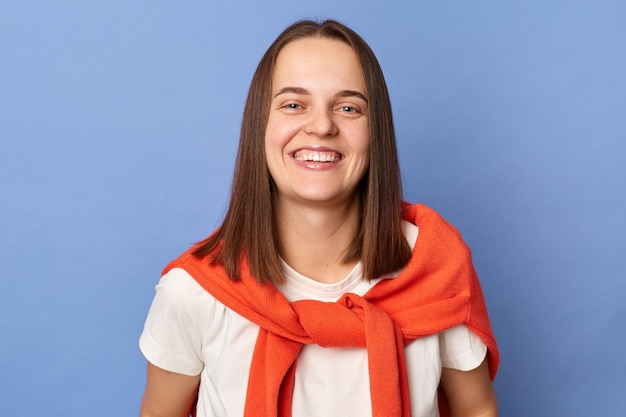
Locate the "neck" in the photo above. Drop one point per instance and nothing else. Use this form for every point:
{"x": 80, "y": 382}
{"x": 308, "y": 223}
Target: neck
{"x": 314, "y": 241}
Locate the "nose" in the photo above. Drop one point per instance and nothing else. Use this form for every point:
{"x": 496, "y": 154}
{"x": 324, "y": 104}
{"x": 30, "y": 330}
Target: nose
{"x": 321, "y": 123}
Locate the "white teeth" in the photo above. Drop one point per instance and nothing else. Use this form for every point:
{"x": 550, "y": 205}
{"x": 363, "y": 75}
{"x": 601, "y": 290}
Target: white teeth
{"x": 317, "y": 156}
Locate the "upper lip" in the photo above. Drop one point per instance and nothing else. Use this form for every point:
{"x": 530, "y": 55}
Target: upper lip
{"x": 314, "y": 148}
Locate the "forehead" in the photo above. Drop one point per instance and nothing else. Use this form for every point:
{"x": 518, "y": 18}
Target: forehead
{"x": 318, "y": 61}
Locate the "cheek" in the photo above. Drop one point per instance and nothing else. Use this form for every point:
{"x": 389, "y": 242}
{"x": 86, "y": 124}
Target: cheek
{"x": 271, "y": 137}
{"x": 274, "y": 148}
{"x": 364, "y": 150}
{"x": 362, "y": 143}
{"x": 276, "y": 135}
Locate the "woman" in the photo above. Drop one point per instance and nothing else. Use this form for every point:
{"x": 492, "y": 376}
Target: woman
{"x": 322, "y": 293}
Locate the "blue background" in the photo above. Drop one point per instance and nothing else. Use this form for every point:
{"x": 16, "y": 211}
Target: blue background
{"x": 118, "y": 130}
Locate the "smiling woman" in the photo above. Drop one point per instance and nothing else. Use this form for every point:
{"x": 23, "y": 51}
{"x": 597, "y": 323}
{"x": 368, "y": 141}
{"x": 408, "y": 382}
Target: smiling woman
{"x": 322, "y": 293}
{"x": 317, "y": 141}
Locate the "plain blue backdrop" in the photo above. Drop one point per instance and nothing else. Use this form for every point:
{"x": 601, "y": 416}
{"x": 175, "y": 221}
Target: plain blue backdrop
{"x": 118, "y": 130}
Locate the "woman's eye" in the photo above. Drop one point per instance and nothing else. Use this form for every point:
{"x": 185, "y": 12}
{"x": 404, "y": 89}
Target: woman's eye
{"x": 292, "y": 106}
{"x": 348, "y": 109}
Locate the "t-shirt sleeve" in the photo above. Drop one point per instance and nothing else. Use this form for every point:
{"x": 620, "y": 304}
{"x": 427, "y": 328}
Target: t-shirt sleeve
{"x": 461, "y": 349}
{"x": 172, "y": 334}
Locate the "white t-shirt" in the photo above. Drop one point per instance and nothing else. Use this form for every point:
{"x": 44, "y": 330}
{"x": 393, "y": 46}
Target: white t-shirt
{"x": 189, "y": 332}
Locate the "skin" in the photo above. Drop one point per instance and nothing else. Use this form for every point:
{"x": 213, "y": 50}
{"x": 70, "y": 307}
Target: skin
{"x": 168, "y": 394}
{"x": 318, "y": 104}
{"x": 470, "y": 393}
{"x": 318, "y": 107}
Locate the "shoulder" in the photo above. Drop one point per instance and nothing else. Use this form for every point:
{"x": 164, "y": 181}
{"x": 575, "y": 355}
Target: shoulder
{"x": 437, "y": 236}
{"x": 178, "y": 293}
{"x": 461, "y": 349}
{"x": 177, "y": 323}
{"x": 422, "y": 215}
{"x": 179, "y": 286}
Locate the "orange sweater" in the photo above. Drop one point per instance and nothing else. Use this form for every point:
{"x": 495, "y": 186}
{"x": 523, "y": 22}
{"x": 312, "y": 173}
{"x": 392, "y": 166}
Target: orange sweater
{"x": 437, "y": 290}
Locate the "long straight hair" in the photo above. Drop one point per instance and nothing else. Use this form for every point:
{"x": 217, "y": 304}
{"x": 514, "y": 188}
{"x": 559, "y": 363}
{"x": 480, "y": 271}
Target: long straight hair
{"x": 248, "y": 232}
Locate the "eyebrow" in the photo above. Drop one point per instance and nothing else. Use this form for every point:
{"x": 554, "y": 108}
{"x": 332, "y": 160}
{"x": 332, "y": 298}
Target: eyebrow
{"x": 304, "y": 91}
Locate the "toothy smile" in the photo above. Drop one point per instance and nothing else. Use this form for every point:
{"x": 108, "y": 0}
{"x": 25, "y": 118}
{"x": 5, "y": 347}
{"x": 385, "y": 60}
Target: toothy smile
{"x": 316, "y": 156}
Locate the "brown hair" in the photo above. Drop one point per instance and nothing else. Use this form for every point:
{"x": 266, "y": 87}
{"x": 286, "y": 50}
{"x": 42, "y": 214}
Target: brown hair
{"x": 248, "y": 230}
